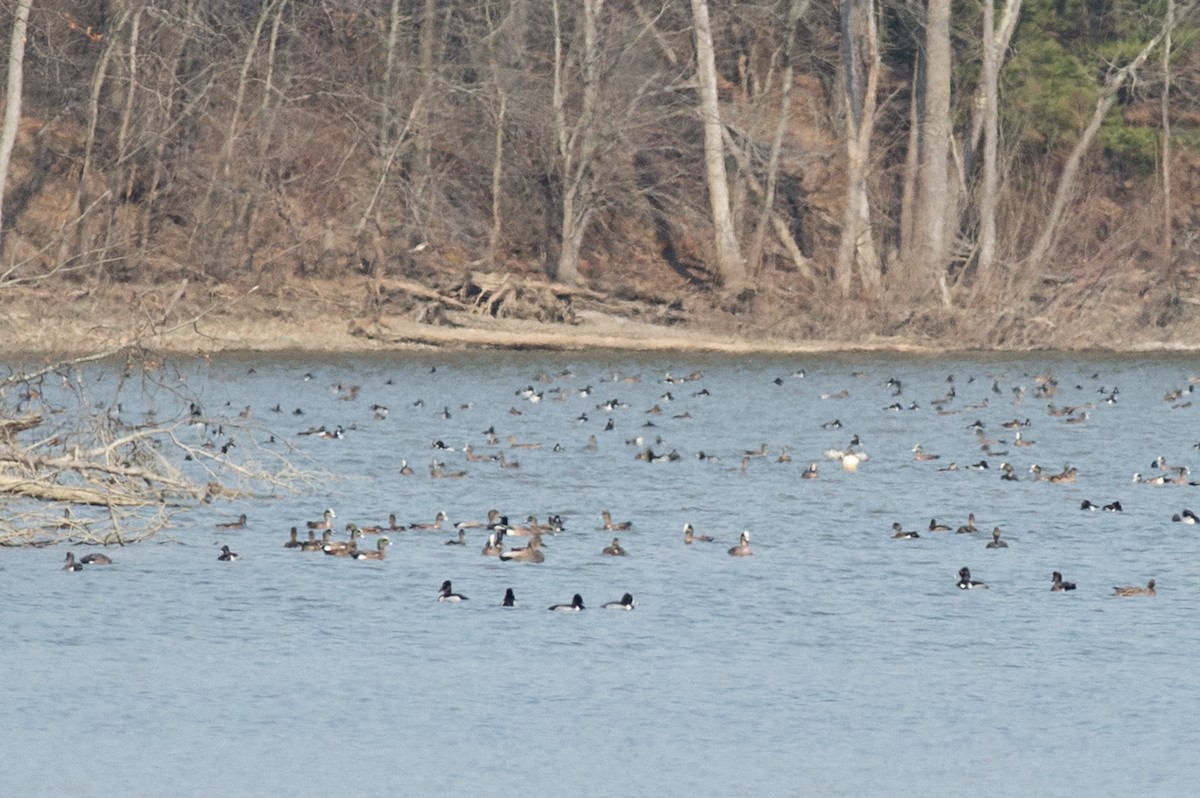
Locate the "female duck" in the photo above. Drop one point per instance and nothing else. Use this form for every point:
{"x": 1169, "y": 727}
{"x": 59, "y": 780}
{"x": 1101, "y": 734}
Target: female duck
{"x": 615, "y": 549}
{"x": 1148, "y": 590}
{"x": 996, "y": 543}
{"x": 446, "y": 594}
{"x": 742, "y": 549}
{"x": 626, "y": 603}
{"x": 966, "y": 583}
{"x": 575, "y": 606}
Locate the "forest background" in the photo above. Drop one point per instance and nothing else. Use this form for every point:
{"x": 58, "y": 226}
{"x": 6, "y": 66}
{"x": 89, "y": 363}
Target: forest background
{"x": 1013, "y": 174}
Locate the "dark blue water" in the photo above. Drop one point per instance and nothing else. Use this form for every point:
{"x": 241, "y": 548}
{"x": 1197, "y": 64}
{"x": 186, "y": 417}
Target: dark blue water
{"x": 834, "y": 661}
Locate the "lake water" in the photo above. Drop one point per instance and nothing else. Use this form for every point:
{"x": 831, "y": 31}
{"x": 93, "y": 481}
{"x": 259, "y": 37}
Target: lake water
{"x": 834, "y": 661}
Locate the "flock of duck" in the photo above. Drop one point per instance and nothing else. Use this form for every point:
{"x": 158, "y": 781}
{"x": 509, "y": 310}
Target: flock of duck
{"x": 500, "y": 531}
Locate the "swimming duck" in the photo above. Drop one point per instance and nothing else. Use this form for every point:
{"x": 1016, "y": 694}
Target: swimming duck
{"x": 226, "y": 555}
{"x": 575, "y": 606}
{"x": 492, "y": 548}
{"x": 934, "y": 526}
{"x": 742, "y": 549}
{"x": 493, "y": 516}
{"x": 1068, "y": 474}
{"x": 1114, "y": 507}
{"x": 531, "y": 552}
{"x": 379, "y": 553}
{"x": 461, "y": 540}
{"x": 71, "y": 564}
{"x": 689, "y": 535}
{"x": 920, "y": 455}
{"x": 325, "y": 523}
{"x": 1148, "y": 590}
{"x": 316, "y": 545}
{"x": 435, "y": 525}
{"x": 96, "y": 559}
{"x": 996, "y": 543}
{"x": 1186, "y": 517}
{"x": 293, "y": 541}
{"x": 405, "y": 469}
{"x": 965, "y": 582}
{"x": 626, "y": 603}
{"x": 343, "y": 548}
{"x": 1022, "y": 442}
{"x": 1058, "y": 585}
{"x": 810, "y": 472}
{"x": 510, "y": 598}
{"x": 240, "y": 523}
{"x": 446, "y": 594}
{"x": 899, "y": 533}
{"x": 615, "y": 549}
{"x": 969, "y": 527}
{"x": 612, "y": 526}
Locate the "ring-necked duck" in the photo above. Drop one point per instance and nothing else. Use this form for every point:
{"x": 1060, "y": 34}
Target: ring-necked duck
{"x": 996, "y": 543}
{"x": 965, "y": 582}
{"x": 1186, "y": 517}
{"x": 934, "y": 526}
{"x": 71, "y": 564}
{"x": 510, "y": 598}
{"x": 615, "y": 549}
{"x": 901, "y": 533}
{"x": 1148, "y": 590}
{"x": 1057, "y": 585}
{"x": 575, "y": 606}
{"x": 446, "y": 594}
{"x": 626, "y": 603}
{"x": 742, "y": 549}
{"x": 378, "y": 554}
{"x": 226, "y": 555}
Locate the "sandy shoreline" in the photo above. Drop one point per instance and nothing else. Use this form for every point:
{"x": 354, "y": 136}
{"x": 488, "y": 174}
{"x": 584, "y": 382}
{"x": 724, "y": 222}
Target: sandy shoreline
{"x": 34, "y": 325}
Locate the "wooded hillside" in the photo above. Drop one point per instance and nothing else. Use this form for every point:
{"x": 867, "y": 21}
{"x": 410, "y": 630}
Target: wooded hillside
{"x": 1008, "y": 173}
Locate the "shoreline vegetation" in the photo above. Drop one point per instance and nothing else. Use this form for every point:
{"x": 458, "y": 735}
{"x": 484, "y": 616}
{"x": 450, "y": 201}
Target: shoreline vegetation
{"x": 331, "y": 319}
{"x": 750, "y": 177}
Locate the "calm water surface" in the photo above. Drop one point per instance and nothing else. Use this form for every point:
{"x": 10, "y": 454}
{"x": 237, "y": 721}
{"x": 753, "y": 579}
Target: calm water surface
{"x": 834, "y": 661}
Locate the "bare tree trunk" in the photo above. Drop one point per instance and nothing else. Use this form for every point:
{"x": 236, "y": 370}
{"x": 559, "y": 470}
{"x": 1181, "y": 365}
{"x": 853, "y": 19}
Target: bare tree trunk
{"x": 933, "y": 245}
{"x": 796, "y": 9}
{"x": 1001, "y": 38}
{"x": 860, "y": 50}
{"x": 389, "y": 72}
{"x": 1168, "y": 227}
{"x": 903, "y": 269}
{"x": 14, "y": 89}
{"x": 987, "y": 196}
{"x": 1104, "y": 103}
{"x": 81, "y": 205}
{"x": 729, "y": 256}
{"x": 576, "y": 142}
